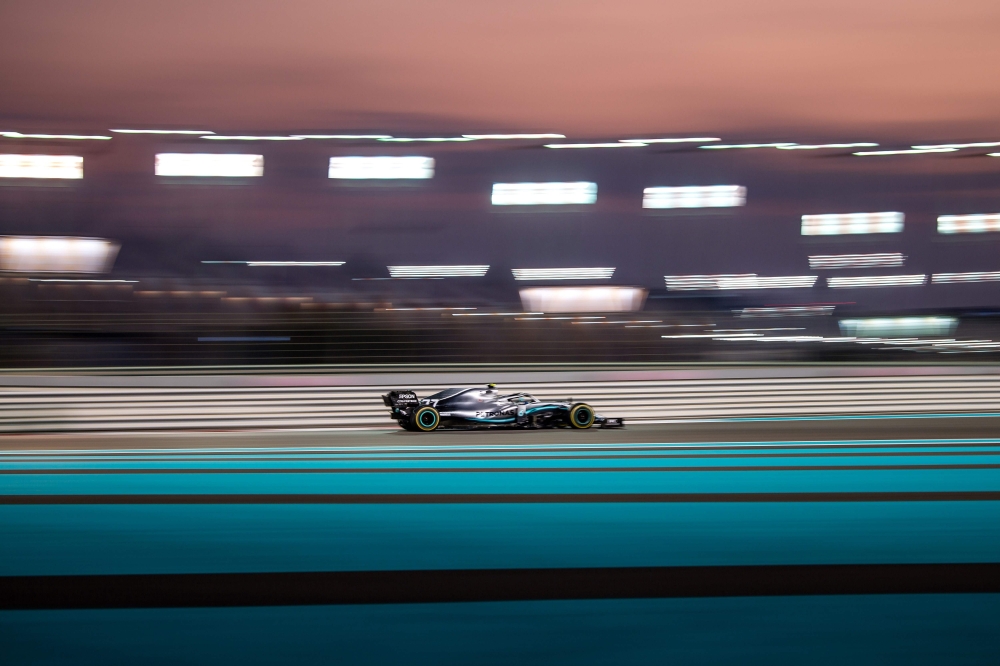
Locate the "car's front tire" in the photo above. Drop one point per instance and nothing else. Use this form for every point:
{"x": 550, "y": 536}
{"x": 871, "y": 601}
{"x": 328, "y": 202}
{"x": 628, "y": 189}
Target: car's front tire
{"x": 426, "y": 419}
{"x": 582, "y": 416}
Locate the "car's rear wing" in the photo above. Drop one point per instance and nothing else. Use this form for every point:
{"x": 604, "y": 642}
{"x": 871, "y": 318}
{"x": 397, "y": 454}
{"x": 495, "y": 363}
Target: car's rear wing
{"x": 400, "y": 398}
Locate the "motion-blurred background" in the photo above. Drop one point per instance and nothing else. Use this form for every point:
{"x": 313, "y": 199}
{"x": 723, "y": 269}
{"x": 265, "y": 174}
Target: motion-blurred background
{"x": 237, "y": 183}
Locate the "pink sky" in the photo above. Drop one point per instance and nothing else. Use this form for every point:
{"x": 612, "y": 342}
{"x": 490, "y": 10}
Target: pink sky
{"x": 590, "y": 67}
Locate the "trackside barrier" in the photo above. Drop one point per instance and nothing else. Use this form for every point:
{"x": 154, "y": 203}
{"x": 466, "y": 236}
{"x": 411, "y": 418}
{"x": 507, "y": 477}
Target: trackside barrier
{"x": 73, "y": 403}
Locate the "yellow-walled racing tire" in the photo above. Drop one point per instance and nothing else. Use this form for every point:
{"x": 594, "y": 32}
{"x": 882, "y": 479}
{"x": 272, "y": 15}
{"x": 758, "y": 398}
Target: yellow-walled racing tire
{"x": 582, "y": 415}
{"x": 426, "y": 419}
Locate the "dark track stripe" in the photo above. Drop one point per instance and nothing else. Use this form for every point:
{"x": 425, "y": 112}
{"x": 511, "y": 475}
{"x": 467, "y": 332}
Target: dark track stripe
{"x": 505, "y": 498}
{"x": 506, "y": 470}
{"x": 394, "y": 587}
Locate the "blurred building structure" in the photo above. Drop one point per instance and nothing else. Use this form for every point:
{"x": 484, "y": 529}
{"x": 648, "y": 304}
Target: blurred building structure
{"x": 184, "y": 250}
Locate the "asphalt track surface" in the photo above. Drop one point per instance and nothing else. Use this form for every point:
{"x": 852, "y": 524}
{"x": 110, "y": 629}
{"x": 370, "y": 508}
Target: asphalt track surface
{"x": 871, "y": 540}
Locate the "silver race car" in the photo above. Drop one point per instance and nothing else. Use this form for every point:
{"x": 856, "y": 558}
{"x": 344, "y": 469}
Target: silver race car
{"x": 465, "y": 408}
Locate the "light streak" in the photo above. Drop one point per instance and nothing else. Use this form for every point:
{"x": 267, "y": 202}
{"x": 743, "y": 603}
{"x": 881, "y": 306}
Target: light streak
{"x": 693, "y": 139}
{"x": 68, "y": 137}
{"x": 157, "y": 131}
{"x": 381, "y": 167}
{"x": 710, "y": 196}
{"x": 68, "y": 167}
{"x": 785, "y": 311}
{"x": 562, "y": 273}
{"x": 583, "y": 299}
{"x": 56, "y": 254}
{"x": 864, "y": 153}
{"x": 84, "y": 280}
{"x": 833, "y": 261}
{"x": 714, "y": 336}
{"x": 619, "y": 321}
{"x": 898, "y": 326}
{"x": 212, "y": 165}
{"x": 749, "y": 330}
{"x": 279, "y": 263}
{"x": 736, "y": 282}
{"x": 505, "y": 137}
{"x": 746, "y": 145}
{"x": 957, "y": 146}
{"x": 791, "y": 338}
{"x": 252, "y": 138}
{"x": 431, "y": 139}
{"x": 953, "y": 278}
{"x": 823, "y": 146}
{"x": 968, "y": 224}
{"x": 852, "y": 223}
{"x": 630, "y": 144}
{"x": 876, "y": 281}
{"x": 543, "y": 194}
{"x": 437, "y": 271}
{"x": 558, "y": 318}
{"x": 494, "y": 314}
{"x": 347, "y": 137}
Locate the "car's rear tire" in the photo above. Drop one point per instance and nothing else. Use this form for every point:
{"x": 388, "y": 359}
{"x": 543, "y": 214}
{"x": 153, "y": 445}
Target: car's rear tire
{"x": 426, "y": 419}
{"x": 582, "y": 416}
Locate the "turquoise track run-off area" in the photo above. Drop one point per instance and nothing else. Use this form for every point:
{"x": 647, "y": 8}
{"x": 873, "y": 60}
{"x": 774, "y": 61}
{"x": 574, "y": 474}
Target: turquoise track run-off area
{"x": 370, "y": 505}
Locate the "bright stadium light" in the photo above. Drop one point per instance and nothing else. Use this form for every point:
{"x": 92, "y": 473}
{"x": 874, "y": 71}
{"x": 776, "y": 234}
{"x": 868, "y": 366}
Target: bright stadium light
{"x": 583, "y": 299}
{"x": 157, "y": 131}
{"x": 833, "y": 261}
{"x": 711, "y": 196}
{"x": 897, "y": 326}
{"x": 968, "y": 224}
{"x": 953, "y": 278}
{"x": 381, "y": 167}
{"x": 736, "y": 282}
{"x": 538, "y": 274}
{"x": 876, "y": 281}
{"x": 620, "y": 144}
{"x": 437, "y": 271}
{"x": 504, "y": 137}
{"x": 210, "y": 165}
{"x": 56, "y": 254}
{"x": 823, "y": 146}
{"x": 66, "y": 137}
{"x": 852, "y": 223}
{"x": 691, "y": 139}
{"x": 543, "y": 194}
{"x": 68, "y": 167}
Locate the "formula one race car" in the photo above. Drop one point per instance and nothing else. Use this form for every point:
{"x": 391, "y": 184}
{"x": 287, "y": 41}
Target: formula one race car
{"x": 486, "y": 408}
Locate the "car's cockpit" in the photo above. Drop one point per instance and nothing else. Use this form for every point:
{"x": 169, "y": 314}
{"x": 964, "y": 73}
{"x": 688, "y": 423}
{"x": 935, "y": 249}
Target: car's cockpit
{"x": 520, "y": 398}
